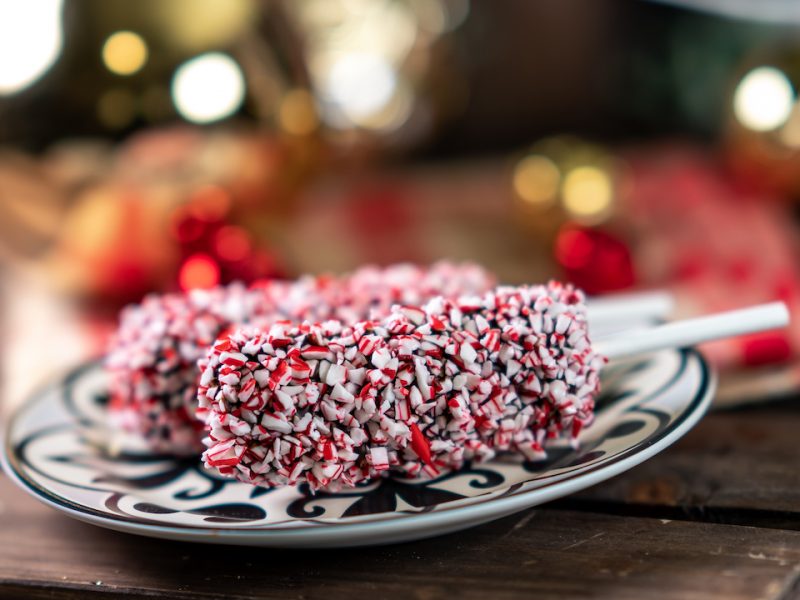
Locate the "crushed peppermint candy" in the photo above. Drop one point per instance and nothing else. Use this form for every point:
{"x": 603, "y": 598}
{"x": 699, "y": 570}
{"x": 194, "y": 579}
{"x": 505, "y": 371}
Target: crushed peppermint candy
{"x": 415, "y": 393}
{"x": 152, "y": 359}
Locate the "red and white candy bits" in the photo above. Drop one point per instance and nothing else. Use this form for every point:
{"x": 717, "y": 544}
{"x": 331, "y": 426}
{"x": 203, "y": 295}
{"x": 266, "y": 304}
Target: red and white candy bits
{"x": 153, "y": 357}
{"x": 421, "y": 391}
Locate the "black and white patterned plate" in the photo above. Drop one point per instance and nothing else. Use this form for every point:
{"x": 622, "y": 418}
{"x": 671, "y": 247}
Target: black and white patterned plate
{"x": 59, "y": 448}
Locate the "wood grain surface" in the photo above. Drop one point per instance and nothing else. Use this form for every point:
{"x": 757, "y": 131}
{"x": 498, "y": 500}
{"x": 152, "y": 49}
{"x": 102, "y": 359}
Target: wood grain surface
{"x": 715, "y": 516}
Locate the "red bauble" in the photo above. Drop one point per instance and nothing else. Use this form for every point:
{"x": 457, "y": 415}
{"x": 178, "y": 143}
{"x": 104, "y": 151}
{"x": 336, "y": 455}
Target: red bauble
{"x": 594, "y": 260}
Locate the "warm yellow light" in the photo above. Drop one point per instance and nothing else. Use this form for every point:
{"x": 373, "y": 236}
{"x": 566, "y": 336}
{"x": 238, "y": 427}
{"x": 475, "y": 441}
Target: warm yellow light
{"x": 763, "y": 99}
{"x": 208, "y": 88}
{"x": 536, "y": 179}
{"x": 31, "y": 39}
{"x": 124, "y": 52}
{"x": 297, "y": 114}
{"x": 195, "y": 25}
{"x": 587, "y": 192}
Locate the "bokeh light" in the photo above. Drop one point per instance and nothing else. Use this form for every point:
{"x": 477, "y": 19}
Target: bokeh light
{"x": 208, "y": 88}
{"x": 537, "y": 179}
{"x": 125, "y": 53}
{"x": 587, "y": 192}
{"x": 232, "y": 243}
{"x": 199, "y": 271}
{"x": 116, "y": 108}
{"x": 763, "y": 99}
{"x": 393, "y": 114}
{"x": 196, "y": 25}
{"x": 369, "y": 61}
{"x": 297, "y": 113}
{"x": 31, "y": 39}
{"x": 359, "y": 85}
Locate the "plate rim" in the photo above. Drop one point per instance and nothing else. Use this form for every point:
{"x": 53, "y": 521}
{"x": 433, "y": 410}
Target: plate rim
{"x": 496, "y": 507}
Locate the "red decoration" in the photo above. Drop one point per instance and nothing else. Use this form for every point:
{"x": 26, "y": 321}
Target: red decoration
{"x": 232, "y": 243}
{"x": 594, "y": 260}
{"x": 198, "y": 271}
{"x": 213, "y": 250}
{"x": 766, "y": 348}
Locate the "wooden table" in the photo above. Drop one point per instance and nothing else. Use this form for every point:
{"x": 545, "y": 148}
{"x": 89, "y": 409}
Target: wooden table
{"x": 715, "y": 516}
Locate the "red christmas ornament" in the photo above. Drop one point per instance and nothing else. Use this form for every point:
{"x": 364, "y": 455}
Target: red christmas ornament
{"x": 594, "y": 260}
{"x": 212, "y": 249}
{"x": 766, "y": 348}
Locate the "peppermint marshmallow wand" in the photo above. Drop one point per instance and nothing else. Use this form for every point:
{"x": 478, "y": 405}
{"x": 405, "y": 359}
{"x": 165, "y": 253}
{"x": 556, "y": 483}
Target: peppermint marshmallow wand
{"x": 422, "y": 391}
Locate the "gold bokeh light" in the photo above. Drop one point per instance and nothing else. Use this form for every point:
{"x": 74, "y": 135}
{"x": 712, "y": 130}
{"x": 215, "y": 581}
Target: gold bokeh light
{"x": 125, "y": 53}
{"x": 587, "y": 192}
{"x": 536, "y": 179}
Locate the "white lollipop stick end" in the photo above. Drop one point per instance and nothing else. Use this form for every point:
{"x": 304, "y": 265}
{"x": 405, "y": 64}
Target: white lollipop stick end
{"x": 681, "y": 334}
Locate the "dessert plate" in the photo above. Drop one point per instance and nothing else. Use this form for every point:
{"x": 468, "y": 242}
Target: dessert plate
{"x": 60, "y": 449}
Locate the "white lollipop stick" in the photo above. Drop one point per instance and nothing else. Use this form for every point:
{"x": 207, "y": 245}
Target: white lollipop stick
{"x": 695, "y": 331}
{"x": 629, "y": 308}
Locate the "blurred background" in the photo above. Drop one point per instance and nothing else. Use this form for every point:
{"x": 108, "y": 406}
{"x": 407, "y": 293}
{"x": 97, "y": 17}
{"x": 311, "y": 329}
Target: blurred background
{"x": 161, "y": 146}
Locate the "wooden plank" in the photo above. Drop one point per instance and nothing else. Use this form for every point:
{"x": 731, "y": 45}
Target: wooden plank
{"x": 735, "y": 466}
{"x": 546, "y": 553}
